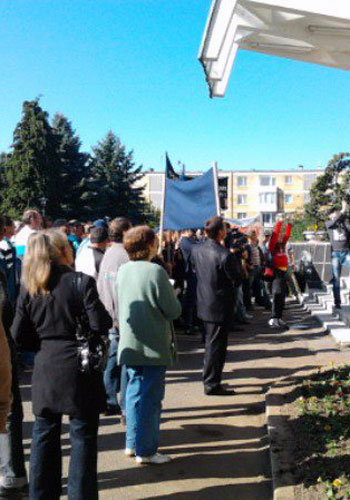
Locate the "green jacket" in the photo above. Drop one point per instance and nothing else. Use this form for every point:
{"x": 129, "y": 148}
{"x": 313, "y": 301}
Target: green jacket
{"x": 147, "y": 305}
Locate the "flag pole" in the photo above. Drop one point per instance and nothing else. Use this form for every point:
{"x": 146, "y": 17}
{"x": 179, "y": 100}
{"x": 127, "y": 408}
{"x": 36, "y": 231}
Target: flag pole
{"x": 161, "y": 227}
{"x": 216, "y": 187}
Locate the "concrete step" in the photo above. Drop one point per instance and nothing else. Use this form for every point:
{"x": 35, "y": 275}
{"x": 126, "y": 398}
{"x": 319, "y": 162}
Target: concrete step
{"x": 341, "y": 335}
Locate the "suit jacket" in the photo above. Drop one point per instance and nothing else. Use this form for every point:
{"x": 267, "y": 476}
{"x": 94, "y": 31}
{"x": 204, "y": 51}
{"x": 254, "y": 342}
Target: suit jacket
{"x": 217, "y": 270}
{"x": 47, "y": 325}
{"x": 186, "y": 246}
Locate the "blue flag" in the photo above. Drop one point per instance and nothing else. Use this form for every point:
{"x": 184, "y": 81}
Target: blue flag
{"x": 188, "y": 204}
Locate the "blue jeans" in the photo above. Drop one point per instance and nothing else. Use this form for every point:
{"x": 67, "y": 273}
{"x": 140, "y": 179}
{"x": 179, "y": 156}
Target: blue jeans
{"x": 144, "y": 395}
{"x": 123, "y": 387}
{"x": 239, "y": 308}
{"x": 111, "y": 376}
{"x": 12, "y": 468}
{"x": 46, "y": 459}
{"x": 338, "y": 260}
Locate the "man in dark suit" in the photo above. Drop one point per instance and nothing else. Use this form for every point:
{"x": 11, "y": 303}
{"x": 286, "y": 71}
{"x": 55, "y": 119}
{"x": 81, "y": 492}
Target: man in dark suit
{"x": 217, "y": 271}
{"x": 187, "y": 243}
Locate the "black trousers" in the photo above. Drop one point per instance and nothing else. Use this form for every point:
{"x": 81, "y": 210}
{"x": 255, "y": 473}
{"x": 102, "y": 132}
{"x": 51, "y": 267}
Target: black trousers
{"x": 216, "y": 336}
{"x": 279, "y": 291}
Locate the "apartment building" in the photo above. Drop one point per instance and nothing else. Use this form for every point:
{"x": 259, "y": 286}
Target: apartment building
{"x": 245, "y": 194}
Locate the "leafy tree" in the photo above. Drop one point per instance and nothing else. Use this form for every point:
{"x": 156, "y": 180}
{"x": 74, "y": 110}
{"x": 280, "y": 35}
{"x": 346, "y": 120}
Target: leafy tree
{"x": 330, "y": 189}
{"x": 151, "y": 214}
{"x": 74, "y": 170}
{"x": 114, "y": 189}
{"x": 301, "y": 222}
{"x": 31, "y": 170}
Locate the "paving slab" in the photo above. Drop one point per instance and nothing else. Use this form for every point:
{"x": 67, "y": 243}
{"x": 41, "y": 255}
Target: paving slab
{"x": 219, "y": 444}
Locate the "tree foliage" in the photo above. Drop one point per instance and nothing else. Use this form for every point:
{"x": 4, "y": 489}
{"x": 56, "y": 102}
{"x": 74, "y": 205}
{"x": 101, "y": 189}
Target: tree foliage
{"x": 330, "y": 189}
{"x": 114, "y": 182}
{"x": 46, "y": 161}
{"x": 31, "y": 170}
{"x": 74, "y": 169}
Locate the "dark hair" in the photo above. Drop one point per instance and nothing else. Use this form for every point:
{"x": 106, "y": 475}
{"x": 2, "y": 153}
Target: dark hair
{"x": 117, "y": 228}
{"x": 59, "y": 223}
{"x": 213, "y": 226}
{"x": 137, "y": 242}
{"x": 98, "y": 235}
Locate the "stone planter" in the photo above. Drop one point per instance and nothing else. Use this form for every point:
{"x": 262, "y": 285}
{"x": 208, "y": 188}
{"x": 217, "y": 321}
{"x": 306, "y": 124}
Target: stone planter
{"x": 315, "y": 235}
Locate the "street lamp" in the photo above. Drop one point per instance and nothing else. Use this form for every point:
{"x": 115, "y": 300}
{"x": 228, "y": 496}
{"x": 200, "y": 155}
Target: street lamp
{"x": 43, "y": 202}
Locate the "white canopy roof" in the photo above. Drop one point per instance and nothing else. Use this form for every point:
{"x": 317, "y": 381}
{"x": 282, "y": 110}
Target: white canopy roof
{"x": 315, "y": 31}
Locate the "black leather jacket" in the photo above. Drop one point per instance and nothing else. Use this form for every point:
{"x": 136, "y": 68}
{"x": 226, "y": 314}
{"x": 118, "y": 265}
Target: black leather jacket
{"x": 217, "y": 270}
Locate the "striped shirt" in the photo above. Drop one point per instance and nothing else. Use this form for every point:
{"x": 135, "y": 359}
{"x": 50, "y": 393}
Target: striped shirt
{"x": 255, "y": 255}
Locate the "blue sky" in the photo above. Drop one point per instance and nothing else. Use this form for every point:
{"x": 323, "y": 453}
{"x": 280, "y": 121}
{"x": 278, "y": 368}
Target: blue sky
{"x": 131, "y": 66}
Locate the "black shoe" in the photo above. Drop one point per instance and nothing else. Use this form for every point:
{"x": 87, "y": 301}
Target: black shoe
{"x": 112, "y": 410}
{"x": 219, "y": 391}
{"x": 14, "y": 493}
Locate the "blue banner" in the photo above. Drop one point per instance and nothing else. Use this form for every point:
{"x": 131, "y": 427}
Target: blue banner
{"x": 188, "y": 204}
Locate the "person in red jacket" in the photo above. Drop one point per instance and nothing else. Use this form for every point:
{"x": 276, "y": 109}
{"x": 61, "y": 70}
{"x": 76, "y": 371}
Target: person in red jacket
{"x": 277, "y": 248}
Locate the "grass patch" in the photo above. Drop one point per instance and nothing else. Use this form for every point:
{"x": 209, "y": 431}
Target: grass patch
{"x": 320, "y": 420}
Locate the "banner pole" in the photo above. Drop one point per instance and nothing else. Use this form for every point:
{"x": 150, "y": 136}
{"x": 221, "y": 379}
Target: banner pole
{"x": 161, "y": 227}
{"x": 216, "y": 187}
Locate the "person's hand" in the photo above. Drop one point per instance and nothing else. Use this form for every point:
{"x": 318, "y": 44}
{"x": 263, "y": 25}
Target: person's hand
{"x": 344, "y": 206}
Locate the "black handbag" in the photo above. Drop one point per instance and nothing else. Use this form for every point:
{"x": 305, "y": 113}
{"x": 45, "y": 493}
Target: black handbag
{"x": 93, "y": 349}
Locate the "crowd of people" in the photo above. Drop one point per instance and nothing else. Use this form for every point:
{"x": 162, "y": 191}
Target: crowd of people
{"x": 133, "y": 294}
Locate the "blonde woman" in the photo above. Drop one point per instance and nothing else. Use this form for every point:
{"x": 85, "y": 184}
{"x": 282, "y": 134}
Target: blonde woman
{"x": 45, "y": 321}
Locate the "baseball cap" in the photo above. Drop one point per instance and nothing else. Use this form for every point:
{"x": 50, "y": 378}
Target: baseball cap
{"x": 100, "y": 223}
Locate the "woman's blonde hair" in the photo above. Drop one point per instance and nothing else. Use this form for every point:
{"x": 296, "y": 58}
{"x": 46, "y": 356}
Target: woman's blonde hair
{"x": 44, "y": 249}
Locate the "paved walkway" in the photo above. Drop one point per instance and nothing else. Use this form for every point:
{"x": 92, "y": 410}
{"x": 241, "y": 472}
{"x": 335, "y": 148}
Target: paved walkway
{"x": 219, "y": 444}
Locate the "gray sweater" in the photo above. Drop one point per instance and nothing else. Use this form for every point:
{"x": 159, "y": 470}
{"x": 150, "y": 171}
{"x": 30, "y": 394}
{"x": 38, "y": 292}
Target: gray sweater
{"x": 112, "y": 260}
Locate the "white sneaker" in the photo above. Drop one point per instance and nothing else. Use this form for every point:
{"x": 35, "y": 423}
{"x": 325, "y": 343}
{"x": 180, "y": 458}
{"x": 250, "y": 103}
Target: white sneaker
{"x": 129, "y": 452}
{"x": 274, "y": 323}
{"x": 155, "y": 459}
{"x": 282, "y": 323}
{"x": 248, "y": 316}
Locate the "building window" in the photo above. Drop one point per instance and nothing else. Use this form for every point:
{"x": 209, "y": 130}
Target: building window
{"x": 288, "y": 199}
{"x": 267, "y": 198}
{"x": 241, "y": 215}
{"x": 241, "y": 181}
{"x": 242, "y": 199}
{"x": 288, "y": 179}
{"x": 267, "y": 180}
{"x": 268, "y": 218}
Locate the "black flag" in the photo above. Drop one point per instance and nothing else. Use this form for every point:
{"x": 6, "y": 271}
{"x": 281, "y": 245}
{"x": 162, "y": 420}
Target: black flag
{"x": 169, "y": 169}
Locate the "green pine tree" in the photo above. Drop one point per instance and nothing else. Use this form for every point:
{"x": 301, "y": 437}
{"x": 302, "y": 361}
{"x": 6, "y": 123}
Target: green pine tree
{"x": 3, "y": 159}
{"x": 32, "y": 169}
{"x": 74, "y": 169}
{"x": 114, "y": 177}
{"x": 330, "y": 189}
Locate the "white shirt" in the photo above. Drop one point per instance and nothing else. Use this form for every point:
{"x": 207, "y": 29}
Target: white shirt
{"x": 85, "y": 262}
{"x": 21, "y": 239}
